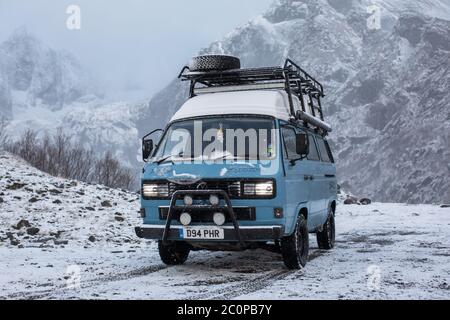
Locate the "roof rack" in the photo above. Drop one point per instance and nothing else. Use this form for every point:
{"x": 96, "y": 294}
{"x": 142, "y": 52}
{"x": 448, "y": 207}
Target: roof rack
{"x": 289, "y": 77}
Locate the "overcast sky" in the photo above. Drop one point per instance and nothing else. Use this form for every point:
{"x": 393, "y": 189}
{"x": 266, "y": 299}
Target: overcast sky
{"x": 130, "y": 43}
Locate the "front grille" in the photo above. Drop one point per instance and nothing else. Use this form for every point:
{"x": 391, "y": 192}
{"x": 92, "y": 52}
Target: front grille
{"x": 231, "y": 187}
{"x": 242, "y": 214}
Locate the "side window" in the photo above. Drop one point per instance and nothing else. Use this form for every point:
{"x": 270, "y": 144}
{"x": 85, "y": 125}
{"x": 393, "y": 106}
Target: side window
{"x": 289, "y": 142}
{"x": 330, "y": 154}
{"x": 323, "y": 150}
{"x": 313, "y": 154}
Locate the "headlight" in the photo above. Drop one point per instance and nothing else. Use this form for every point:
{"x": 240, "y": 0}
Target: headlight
{"x": 263, "y": 188}
{"x": 155, "y": 190}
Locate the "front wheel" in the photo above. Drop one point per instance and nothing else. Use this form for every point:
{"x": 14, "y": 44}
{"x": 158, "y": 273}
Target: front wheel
{"x": 295, "y": 248}
{"x": 173, "y": 253}
{"x": 325, "y": 238}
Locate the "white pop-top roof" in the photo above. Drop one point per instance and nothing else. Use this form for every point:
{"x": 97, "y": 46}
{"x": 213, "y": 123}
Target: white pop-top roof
{"x": 262, "y": 102}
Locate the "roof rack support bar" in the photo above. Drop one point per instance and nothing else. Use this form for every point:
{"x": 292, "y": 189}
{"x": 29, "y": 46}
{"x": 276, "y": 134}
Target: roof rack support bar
{"x": 288, "y": 90}
{"x": 311, "y": 104}
{"x": 302, "y": 102}
{"x": 320, "y": 107}
{"x": 244, "y": 87}
{"x": 192, "y": 89}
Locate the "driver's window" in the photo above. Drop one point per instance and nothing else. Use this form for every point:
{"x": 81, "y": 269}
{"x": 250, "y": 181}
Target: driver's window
{"x": 289, "y": 143}
{"x": 313, "y": 153}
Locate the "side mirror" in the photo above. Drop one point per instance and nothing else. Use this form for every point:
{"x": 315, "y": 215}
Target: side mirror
{"x": 301, "y": 144}
{"x": 147, "y": 148}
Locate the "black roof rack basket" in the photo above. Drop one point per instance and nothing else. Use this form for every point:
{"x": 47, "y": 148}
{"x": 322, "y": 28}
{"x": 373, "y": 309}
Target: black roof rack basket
{"x": 289, "y": 77}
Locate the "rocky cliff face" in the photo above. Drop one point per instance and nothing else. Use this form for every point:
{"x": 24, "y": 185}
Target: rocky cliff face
{"x": 387, "y": 88}
{"x": 45, "y": 89}
{"x": 38, "y": 74}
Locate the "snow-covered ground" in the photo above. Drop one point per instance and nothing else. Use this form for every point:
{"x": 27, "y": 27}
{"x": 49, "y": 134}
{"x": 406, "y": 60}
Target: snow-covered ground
{"x": 86, "y": 249}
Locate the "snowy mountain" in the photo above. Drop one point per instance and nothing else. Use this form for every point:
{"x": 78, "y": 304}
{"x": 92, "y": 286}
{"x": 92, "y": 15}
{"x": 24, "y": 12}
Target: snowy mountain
{"x": 45, "y": 89}
{"x": 387, "y": 88}
{"x": 34, "y": 74}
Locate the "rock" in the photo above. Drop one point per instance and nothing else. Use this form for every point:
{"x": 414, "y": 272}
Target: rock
{"x": 106, "y": 203}
{"x": 81, "y": 193}
{"x": 73, "y": 183}
{"x": 16, "y": 185}
{"x": 365, "y": 201}
{"x": 22, "y": 223}
{"x": 57, "y": 201}
{"x": 55, "y": 191}
{"x": 118, "y": 218}
{"x": 45, "y": 239}
{"x": 1, "y": 200}
{"x": 442, "y": 205}
{"x": 55, "y": 234}
{"x": 32, "y": 231}
{"x": 90, "y": 208}
{"x": 59, "y": 242}
{"x": 15, "y": 242}
{"x": 34, "y": 199}
{"x": 91, "y": 239}
{"x": 350, "y": 200}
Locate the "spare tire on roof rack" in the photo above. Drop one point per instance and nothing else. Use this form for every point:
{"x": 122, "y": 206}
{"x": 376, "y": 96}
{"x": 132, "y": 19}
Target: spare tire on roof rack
{"x": 214, "y": 62}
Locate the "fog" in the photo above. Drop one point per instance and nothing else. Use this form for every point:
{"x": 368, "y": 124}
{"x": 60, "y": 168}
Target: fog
{"x": 132, "y": 47}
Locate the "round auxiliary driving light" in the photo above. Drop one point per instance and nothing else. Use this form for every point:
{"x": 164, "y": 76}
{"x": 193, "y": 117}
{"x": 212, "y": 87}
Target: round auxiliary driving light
{"x": 214, "y": 200}
{"x": 219, "y": 218}
{"x": 185, "y": 218}
{"x": 188, "y": 200}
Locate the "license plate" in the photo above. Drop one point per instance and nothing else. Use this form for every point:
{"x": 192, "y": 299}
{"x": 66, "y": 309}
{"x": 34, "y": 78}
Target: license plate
{"x": 201, "y": 233}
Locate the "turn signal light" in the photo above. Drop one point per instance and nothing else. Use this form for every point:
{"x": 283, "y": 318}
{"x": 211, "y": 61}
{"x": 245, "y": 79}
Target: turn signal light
{"x": 278, "y": 213}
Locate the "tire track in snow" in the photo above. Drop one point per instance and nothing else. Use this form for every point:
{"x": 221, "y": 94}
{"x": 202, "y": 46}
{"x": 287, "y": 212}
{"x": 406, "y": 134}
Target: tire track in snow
{"x": 84, "y": 284}
{"x": 252, "y": 285}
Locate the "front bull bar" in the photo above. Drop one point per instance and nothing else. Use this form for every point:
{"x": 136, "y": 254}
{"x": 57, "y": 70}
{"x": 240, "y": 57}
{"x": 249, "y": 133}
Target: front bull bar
{"x": 179, "y": 193}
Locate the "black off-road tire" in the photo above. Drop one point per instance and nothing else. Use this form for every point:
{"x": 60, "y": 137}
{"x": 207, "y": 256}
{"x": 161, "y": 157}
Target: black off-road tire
{"x": 214, "y": 63}
{"x": 295, "y": 247}
{"x": 326, "y": 237}
{"x": 174, "y": 253}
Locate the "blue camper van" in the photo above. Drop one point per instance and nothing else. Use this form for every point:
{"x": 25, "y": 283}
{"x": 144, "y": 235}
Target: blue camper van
{"x": 243, "y": 164}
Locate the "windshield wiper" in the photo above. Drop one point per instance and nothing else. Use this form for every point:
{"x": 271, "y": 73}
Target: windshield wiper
{"x": 160, "y": 160}
{"x": 228, "y": 157}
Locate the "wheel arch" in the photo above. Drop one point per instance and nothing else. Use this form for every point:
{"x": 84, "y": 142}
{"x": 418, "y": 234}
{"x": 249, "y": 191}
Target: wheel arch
{"x": 303, "y": 211}
{"x": 302, "y": 208}
{"x": 333, "y": 206}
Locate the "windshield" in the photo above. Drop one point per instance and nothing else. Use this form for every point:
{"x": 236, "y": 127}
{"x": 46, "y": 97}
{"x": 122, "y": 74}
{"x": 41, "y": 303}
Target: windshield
{"x": 218, "y": 138}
